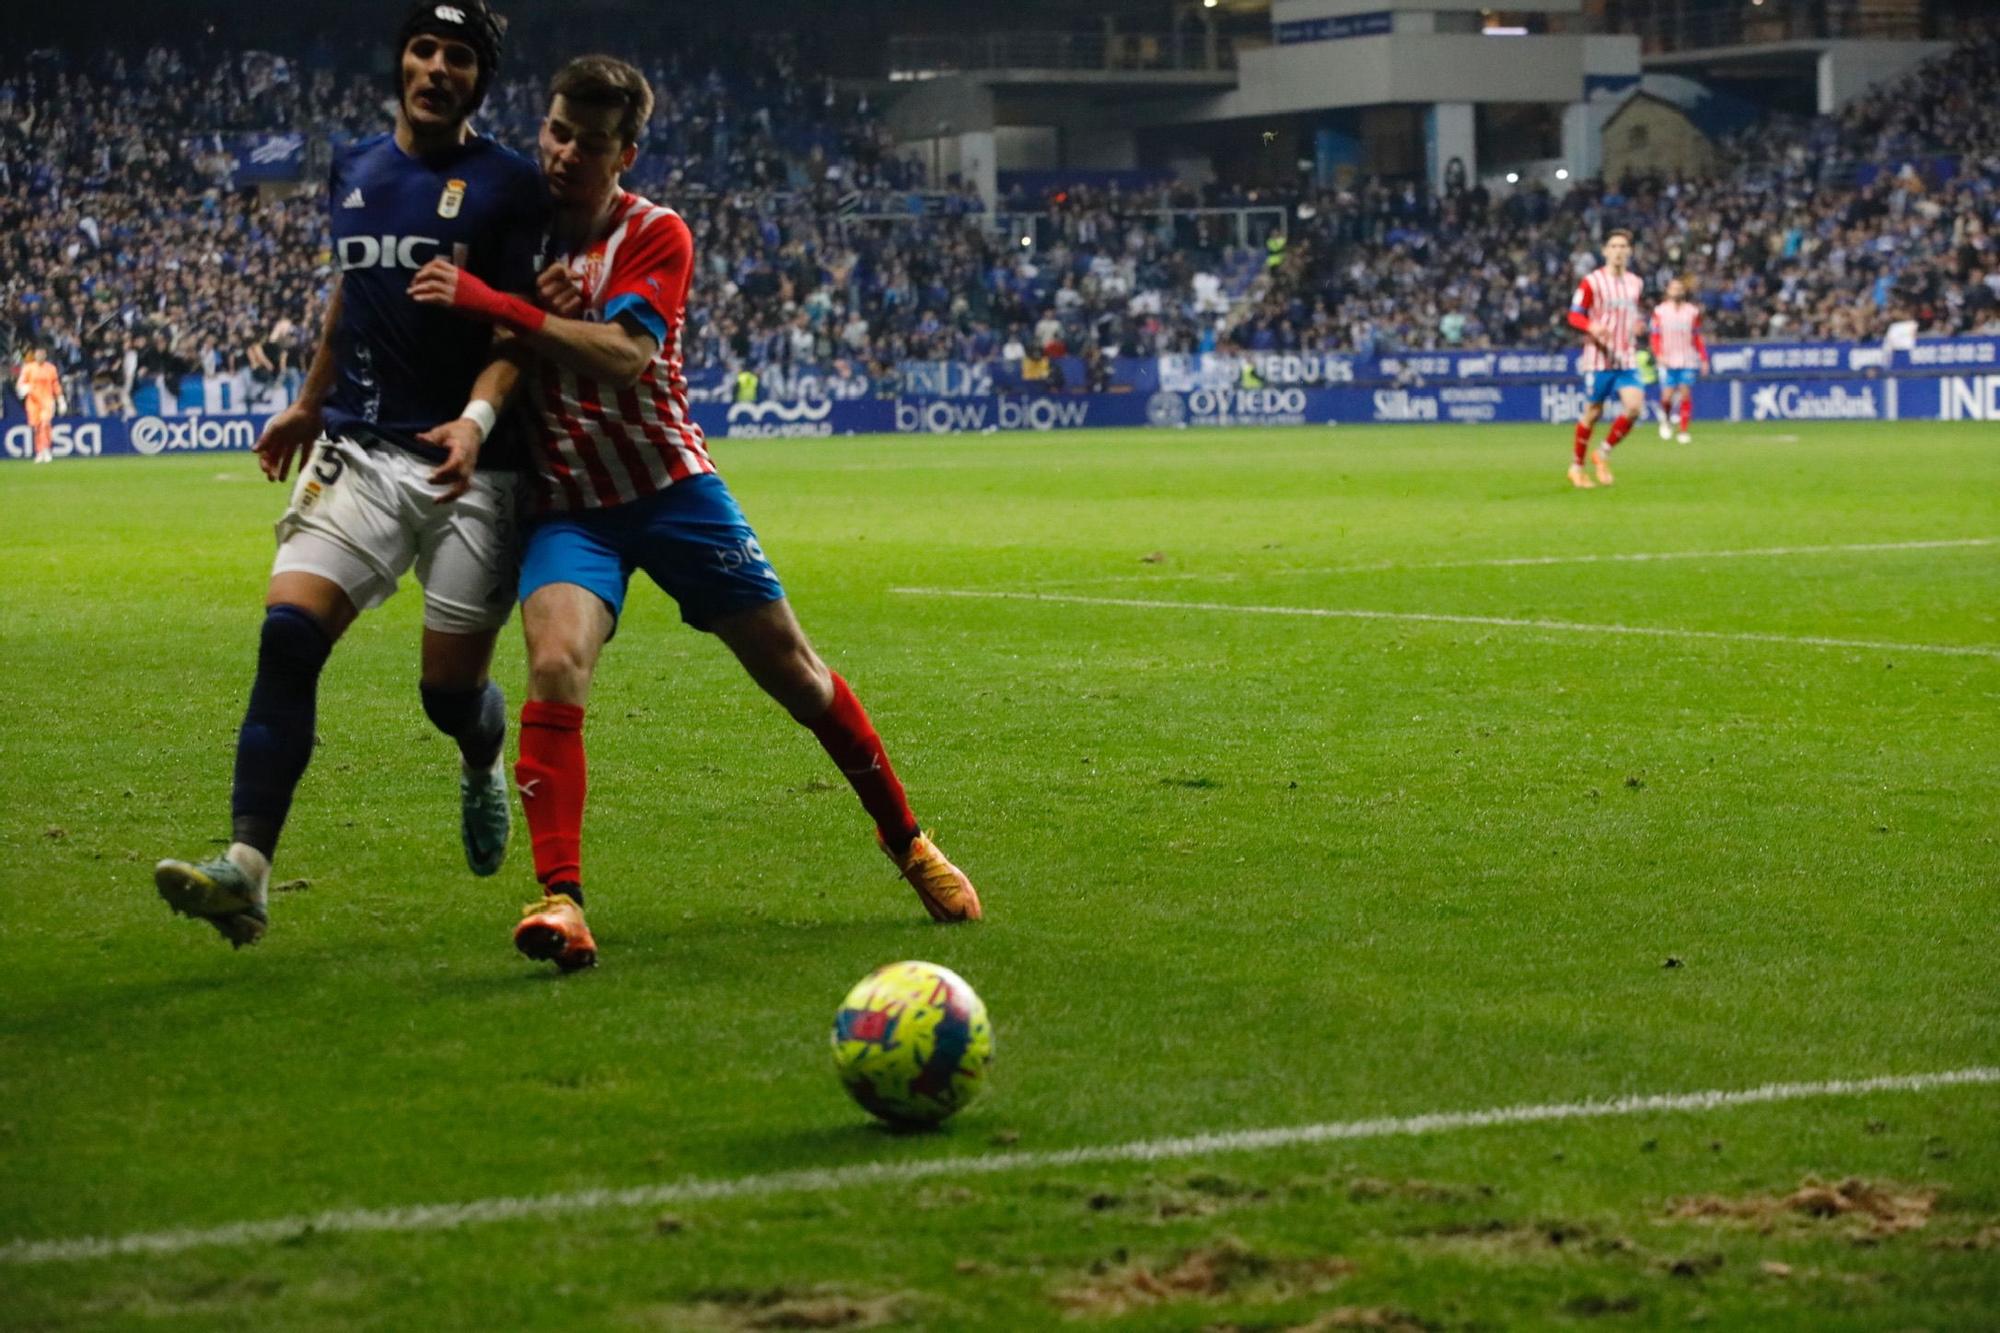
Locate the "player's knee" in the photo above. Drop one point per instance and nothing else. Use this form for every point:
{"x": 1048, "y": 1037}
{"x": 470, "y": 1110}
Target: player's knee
{"x": 558, "y": 671}
{"x": 294, "y": 639}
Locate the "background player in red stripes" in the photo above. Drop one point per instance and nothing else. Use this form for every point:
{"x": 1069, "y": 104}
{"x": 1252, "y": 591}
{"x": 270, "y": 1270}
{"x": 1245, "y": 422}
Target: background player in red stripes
{"x": 1606, "y": 311}
{"x": 626, "y": 483}
{"x": 1682, "y": 354}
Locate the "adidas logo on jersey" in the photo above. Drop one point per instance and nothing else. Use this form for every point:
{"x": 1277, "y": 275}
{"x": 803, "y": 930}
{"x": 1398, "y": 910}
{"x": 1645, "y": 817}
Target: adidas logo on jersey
{"x": 353, "y": 199}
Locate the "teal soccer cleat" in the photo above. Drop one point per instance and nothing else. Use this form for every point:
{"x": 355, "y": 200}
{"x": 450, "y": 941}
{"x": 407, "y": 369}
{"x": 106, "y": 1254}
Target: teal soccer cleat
{"x": 217, "y": 892}
{"x": 485, "y": 819}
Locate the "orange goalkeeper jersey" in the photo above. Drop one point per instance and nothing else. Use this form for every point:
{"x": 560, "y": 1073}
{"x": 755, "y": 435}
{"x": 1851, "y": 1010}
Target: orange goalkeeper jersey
{"x": 39, "y": 384}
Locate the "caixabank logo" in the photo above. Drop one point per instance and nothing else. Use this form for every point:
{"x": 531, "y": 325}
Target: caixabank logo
{"x": 781, "y": 421}
{"x": 1795, "y": 402}
{"x": 158, "y": 435}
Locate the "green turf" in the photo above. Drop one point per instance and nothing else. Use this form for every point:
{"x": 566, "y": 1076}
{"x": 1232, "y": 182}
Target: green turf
{"x": 1241, "y": 870}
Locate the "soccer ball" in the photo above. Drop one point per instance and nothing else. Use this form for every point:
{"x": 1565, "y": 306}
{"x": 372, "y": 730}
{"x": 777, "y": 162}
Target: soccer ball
{"x": 911, "y": 1043}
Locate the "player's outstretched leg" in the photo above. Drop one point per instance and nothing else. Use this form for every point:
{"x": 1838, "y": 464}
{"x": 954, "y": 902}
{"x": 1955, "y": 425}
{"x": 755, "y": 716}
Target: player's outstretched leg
{"x": 852, "y": 742}
{"x": 774, "y": 650}
{"x": 273, "y": 747}
{"x": 477, "y": 719}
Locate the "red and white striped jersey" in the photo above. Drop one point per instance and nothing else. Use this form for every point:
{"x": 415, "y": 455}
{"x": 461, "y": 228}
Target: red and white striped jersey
{"x": 1677, "y": 335}
{"x": 1613, "y": 302}
{"x": 598, "y": 445}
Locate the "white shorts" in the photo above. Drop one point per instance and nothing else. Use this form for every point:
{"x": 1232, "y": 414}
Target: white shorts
{"x": 361, "y": 517}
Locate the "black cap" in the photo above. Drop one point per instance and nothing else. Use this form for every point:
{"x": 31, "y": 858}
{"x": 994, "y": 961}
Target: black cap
{"x": 468, "y": 21}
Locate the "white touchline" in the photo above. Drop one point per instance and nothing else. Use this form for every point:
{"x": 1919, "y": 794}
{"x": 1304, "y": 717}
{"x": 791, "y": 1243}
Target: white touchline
{"x": 1441, "y": 618}
{"x": 1519, "y": 561}
{"x": 449, "y": 1216}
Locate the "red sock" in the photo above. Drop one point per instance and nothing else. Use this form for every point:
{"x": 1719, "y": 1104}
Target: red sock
{"x": 551, "y": 777}
{"x": 1687, "y": 412}
{"x": 849, "y": 737}
{"x": 1618, "y": 430}
{"x": 1582, "y": 440}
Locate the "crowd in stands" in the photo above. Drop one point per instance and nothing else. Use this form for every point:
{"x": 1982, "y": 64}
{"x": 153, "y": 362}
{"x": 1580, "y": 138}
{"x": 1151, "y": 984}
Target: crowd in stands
{"x": 126, "y": 249}
{"x": 1832, "y": 228}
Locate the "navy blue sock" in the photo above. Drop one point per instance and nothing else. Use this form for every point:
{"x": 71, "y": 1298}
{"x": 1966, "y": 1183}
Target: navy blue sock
{"x": 475, "y": 718}
{"x": 276, "y": 740}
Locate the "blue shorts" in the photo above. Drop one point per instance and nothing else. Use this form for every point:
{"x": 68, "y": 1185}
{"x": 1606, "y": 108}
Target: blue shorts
{"x": 1599, "y": 385}
{"x": 1679, "y": 379}
{"x": 690, "y": 538}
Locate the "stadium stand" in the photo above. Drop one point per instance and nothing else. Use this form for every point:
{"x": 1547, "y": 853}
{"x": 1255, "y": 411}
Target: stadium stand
{"x": 132, "y": 252}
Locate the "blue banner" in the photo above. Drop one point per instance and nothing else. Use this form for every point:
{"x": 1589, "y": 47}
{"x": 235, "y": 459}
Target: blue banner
{"x": 1486, "y": 364}
{"x": 255, "y": 159}
{"x": 1377, "y": 23}
{"x": 801, "y": 420}
{"x": 93, "y": 437}
{"x": 1958, "y": 398}
{"x": 1813, "y": 400}
{"x": 1312, "y": 370}
{"x": 947, "y": 379}
{"x": 1883, "y": 398}
{"x": 1950, "y": 354}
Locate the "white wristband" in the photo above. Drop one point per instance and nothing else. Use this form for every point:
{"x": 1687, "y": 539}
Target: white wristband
{"x": 481, "y": 414}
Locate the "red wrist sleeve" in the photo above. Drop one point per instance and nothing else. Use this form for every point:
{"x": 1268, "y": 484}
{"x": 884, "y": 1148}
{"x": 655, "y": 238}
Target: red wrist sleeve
{"x": 512, "y": 311}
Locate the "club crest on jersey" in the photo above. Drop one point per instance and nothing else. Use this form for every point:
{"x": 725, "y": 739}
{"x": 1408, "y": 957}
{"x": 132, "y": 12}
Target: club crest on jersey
{"x": 452, "y": 199}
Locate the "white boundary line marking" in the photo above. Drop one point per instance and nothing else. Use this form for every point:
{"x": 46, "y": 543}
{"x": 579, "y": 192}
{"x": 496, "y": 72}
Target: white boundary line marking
{"x": 450, "y": 1216}
{"x": 1441, "y": 618}
{"x": 1511, "y": 562}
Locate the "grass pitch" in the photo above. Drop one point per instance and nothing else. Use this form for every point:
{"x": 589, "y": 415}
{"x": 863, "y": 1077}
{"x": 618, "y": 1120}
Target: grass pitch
{"x": 1242, "y": 870}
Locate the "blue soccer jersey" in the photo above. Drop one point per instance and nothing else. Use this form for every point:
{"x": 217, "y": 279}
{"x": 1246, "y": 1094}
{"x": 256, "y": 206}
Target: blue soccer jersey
{"x": 399, "y": 367}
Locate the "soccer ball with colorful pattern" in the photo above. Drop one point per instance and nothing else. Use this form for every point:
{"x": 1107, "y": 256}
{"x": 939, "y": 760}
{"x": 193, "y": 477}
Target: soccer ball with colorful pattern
{"x": 911, "y": 1043}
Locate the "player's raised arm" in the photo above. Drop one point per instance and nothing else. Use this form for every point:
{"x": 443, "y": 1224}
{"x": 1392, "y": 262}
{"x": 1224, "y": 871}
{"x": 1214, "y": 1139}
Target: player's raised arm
{"x": 299, "y": 425}
{"x": 616, "y": 352}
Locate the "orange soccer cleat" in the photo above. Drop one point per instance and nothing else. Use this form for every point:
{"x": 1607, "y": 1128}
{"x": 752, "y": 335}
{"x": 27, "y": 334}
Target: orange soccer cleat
{"x": 1579, "y": 478}
{"x": 1602, "y": 461}
{"x": 553, "y": 931}
{"x": 947, "y": 894}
